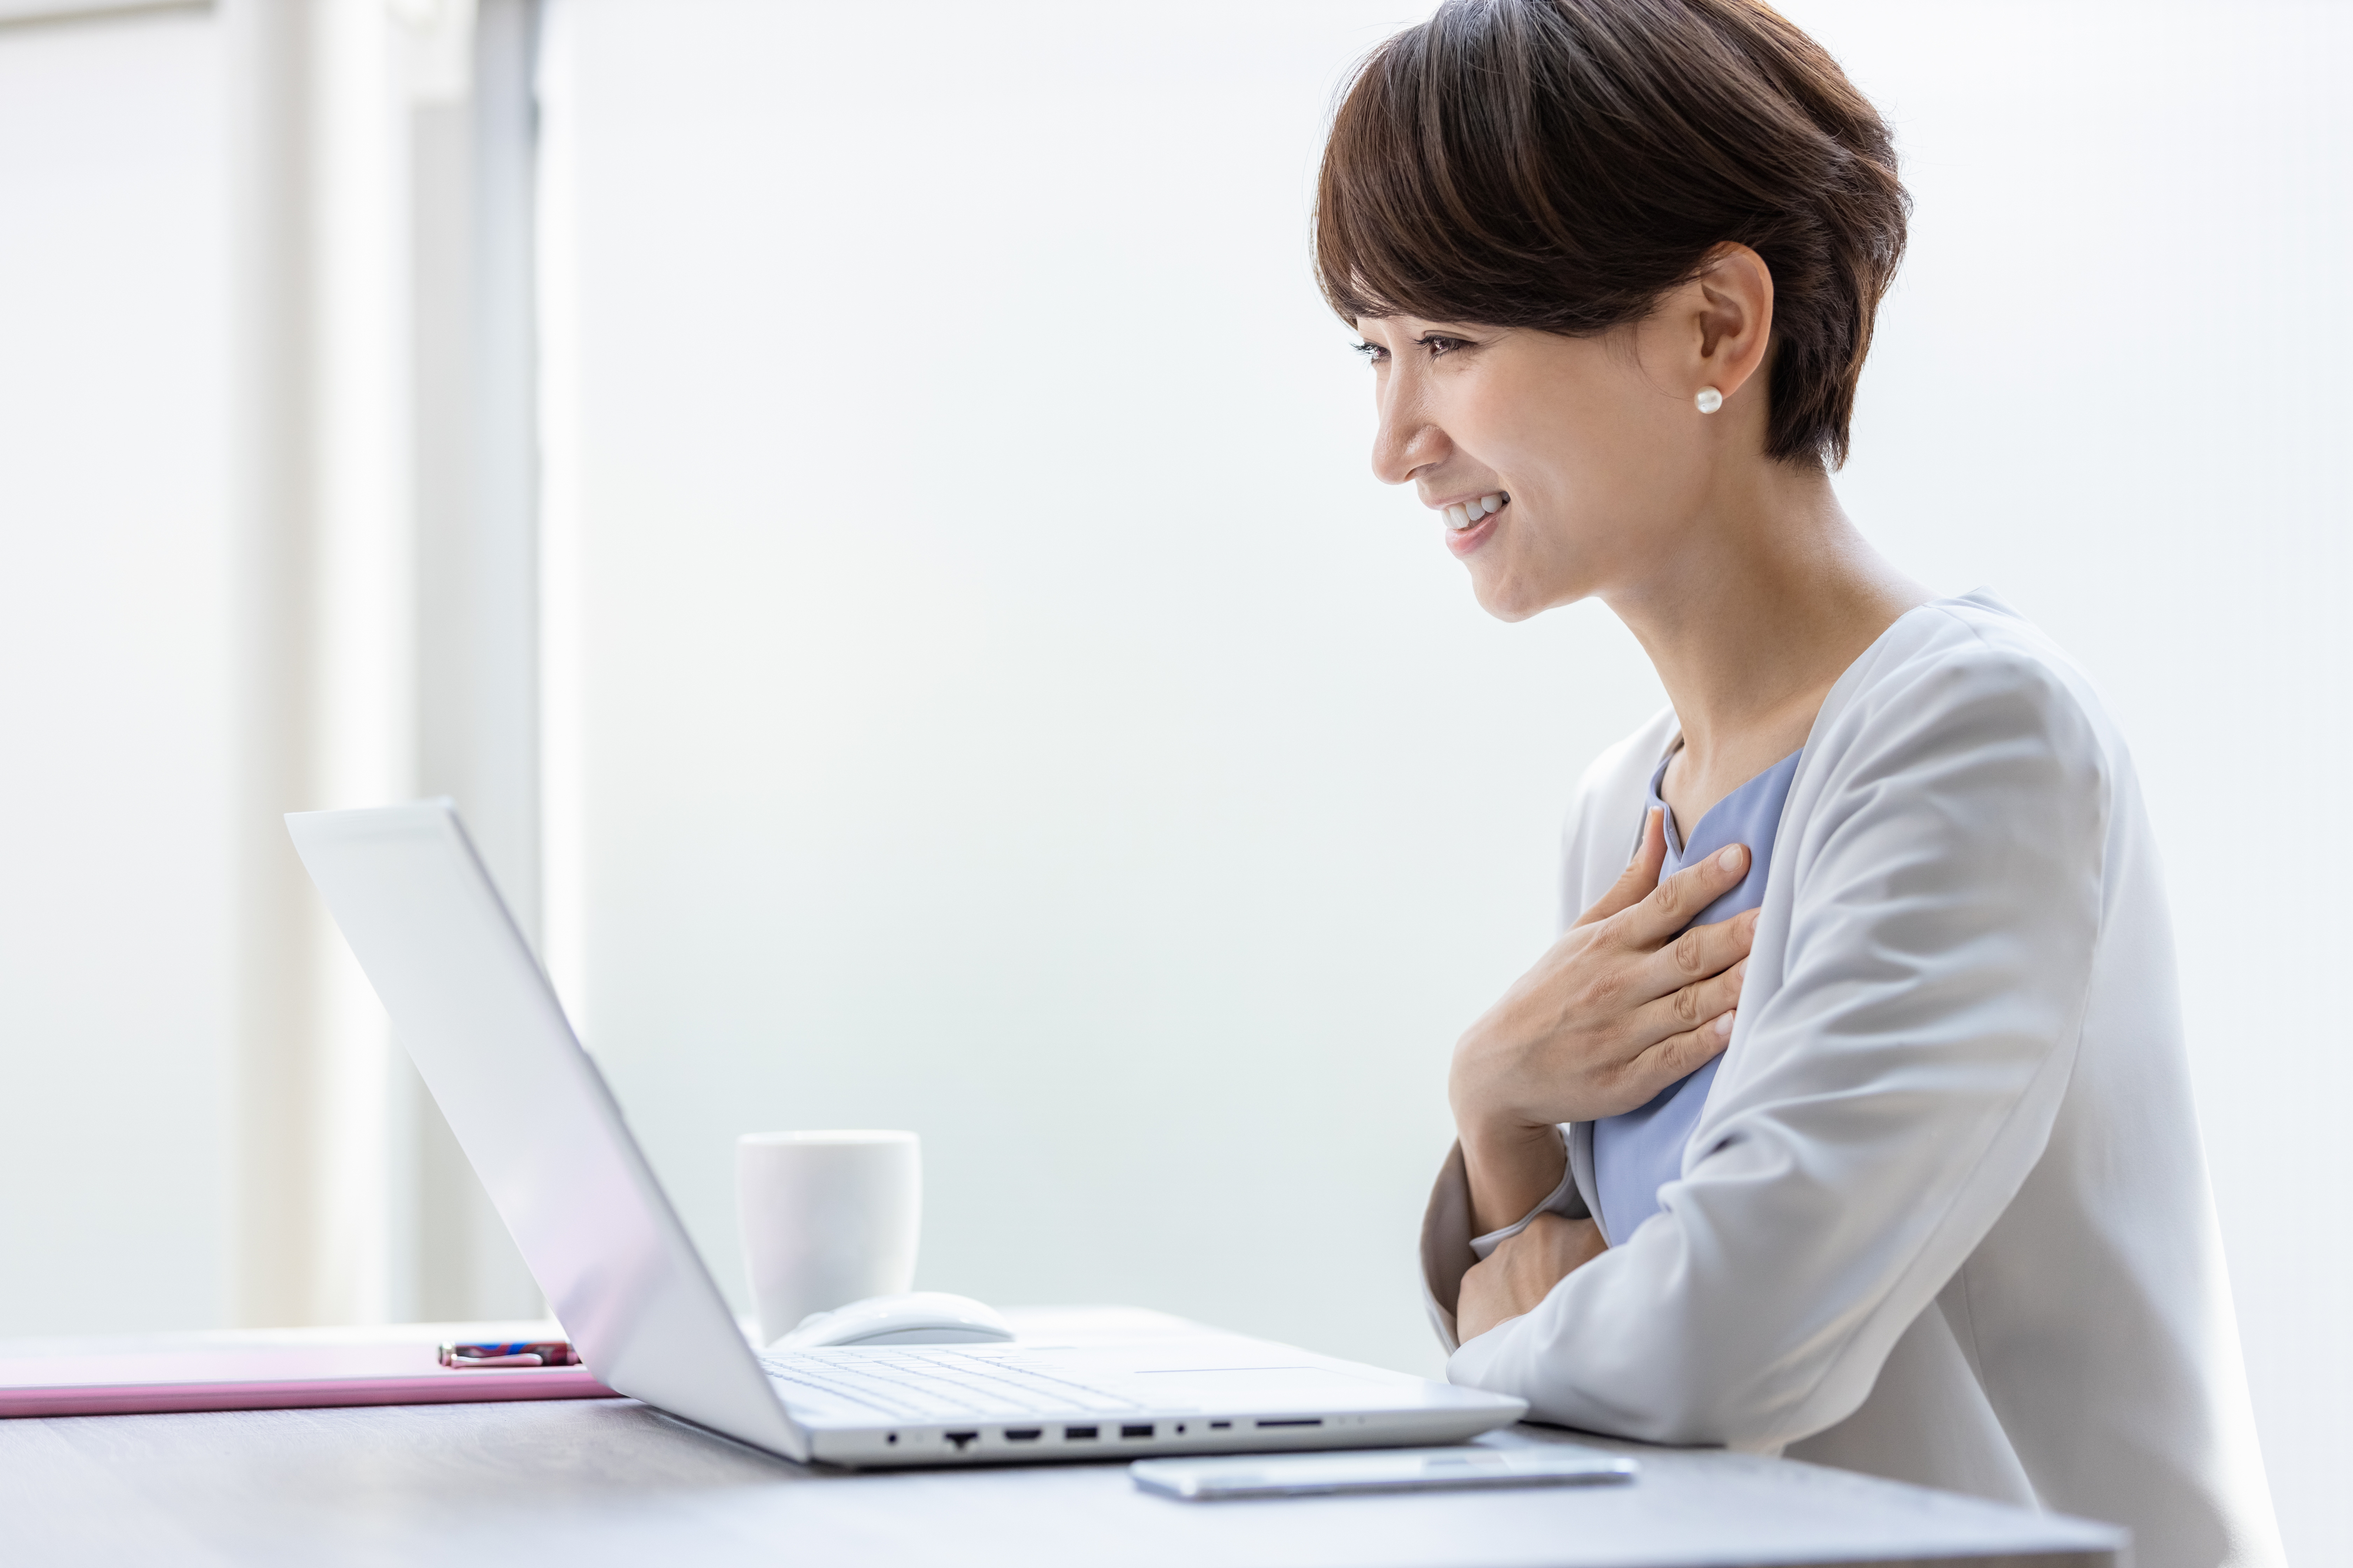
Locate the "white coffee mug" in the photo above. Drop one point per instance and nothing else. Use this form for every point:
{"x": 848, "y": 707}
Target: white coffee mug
{"x": 826, "y": 1218}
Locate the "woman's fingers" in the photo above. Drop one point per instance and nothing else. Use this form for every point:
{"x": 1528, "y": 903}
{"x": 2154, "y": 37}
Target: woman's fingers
{"x": 1699, "y": 952}
{"x": 1676, "y": 1057}
{"x": 1639, "y": 878}
{"x": 1690, "y": 1006}
{"x": 1676, "y": 901}
{"x": 1618, "y": 1007}
{"x": 1676, "y": 1036}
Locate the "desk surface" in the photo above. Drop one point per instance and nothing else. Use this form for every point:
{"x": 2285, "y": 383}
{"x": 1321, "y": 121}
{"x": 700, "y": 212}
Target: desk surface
{"x": 611, "y": 1481}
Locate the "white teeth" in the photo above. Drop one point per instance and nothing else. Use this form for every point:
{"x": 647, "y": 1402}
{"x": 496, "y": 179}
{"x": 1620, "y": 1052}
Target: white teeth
{"x": 1463, "y": 513}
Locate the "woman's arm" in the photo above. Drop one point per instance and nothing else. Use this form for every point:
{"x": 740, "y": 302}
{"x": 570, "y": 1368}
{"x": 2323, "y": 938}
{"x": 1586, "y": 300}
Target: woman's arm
{"x": 1514, "y": 1279}
{"x": 1888, "y": 1098}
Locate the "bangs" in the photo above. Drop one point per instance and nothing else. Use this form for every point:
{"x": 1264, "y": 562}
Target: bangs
{"x": 1432, "y": 198}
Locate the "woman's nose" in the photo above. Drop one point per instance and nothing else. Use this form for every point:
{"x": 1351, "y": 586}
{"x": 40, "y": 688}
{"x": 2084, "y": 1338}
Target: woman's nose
{"x": 1405, "y": 440}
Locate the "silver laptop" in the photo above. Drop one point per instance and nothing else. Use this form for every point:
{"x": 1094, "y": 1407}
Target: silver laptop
{"x": 471, "y": 1006}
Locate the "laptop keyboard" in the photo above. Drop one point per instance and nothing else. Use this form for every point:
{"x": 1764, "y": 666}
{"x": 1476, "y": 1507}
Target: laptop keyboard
{"x": 921, "y": 1384}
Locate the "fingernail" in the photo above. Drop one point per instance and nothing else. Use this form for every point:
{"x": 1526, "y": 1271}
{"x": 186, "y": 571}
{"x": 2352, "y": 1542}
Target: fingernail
{"x": 1729, "y": 859}
{"x": 1724, "y": 1025}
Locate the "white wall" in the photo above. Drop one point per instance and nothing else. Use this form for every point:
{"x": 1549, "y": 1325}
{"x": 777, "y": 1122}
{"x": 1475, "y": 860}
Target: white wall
{"x": 999, "y": 703}
{"x": 115, "y": 694}
{"x": 238, "y": 373}
{"x": 1009, "y": 708}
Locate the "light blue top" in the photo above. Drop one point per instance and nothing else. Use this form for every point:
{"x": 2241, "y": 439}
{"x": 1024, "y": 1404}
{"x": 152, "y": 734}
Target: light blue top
{"x": 1637, "y": 1153}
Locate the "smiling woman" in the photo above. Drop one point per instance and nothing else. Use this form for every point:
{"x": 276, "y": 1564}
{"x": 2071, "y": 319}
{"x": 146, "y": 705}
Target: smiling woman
{"x": 1851, "y": 1118}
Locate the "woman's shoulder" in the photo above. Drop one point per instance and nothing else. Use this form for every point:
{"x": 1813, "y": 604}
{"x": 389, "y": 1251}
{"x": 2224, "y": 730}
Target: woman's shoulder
{"x": 1942, "y": 668}
{"x": 1966, "y": 670}
{"x": 1979, "y": 628}
{"x": 1957, "y": 692}
{"x": 1964, "y": 693}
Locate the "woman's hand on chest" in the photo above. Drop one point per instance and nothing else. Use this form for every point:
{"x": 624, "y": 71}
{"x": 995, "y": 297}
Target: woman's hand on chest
{"x": 1626, "y": 1003}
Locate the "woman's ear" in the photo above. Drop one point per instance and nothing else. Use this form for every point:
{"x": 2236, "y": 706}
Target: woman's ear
{"x": 1733, "y": 317}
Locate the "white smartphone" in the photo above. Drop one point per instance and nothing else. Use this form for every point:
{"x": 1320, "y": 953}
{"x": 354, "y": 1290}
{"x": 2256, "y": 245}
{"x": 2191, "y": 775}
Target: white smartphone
{"x": 1380, "y": 1470}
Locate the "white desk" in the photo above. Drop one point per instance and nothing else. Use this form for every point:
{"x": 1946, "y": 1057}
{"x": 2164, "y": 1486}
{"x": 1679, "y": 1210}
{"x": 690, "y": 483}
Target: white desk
{"x": 610, "y": 1481}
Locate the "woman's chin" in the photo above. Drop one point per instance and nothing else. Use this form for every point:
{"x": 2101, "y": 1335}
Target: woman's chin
{"x": 1506, "y": 597}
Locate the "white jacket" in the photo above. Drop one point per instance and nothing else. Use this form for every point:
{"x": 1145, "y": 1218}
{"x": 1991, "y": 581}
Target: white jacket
{"x": 1945, "y": 1217}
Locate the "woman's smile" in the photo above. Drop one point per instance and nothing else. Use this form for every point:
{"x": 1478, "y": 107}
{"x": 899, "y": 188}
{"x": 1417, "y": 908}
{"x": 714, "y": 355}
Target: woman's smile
{"x": 1469, "y": 521}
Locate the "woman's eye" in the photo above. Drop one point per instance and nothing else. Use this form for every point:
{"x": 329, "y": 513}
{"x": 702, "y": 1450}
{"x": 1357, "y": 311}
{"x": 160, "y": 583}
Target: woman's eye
{"x": 1439, "y": 344}
{"x": 1374, "y": 354}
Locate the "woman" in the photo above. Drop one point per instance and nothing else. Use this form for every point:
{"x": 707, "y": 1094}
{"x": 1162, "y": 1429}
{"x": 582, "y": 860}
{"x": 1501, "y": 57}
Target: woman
{"x": 1850, "y": 1118}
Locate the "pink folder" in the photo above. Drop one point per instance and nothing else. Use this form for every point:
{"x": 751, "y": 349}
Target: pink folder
{"x": 272, "y": 1369}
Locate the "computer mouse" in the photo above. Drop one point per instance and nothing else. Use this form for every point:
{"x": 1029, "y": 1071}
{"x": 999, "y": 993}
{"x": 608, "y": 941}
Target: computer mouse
{"x": 913, "y": 1318}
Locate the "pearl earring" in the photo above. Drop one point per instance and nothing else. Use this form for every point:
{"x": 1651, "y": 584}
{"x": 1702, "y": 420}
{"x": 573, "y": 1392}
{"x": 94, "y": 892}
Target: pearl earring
{"x": 1709, "y": 400}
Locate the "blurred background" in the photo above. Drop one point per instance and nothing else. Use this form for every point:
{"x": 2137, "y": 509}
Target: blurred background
{"x": 864, "y": 510}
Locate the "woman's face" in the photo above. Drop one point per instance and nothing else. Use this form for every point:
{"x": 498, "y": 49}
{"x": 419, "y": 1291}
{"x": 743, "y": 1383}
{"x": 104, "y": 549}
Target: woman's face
{"x": 1594, "y": 442}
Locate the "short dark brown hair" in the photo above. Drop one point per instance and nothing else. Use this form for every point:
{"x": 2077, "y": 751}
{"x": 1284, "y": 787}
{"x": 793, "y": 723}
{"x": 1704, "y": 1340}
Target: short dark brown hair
{"x": 1561, "y": 164}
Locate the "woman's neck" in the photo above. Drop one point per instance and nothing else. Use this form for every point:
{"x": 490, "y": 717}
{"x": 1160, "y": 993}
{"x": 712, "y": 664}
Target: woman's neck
{"x": 1750, "y": 616}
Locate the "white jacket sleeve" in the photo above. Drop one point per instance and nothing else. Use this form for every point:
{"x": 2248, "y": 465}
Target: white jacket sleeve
{"x": 1905, "y": 1034}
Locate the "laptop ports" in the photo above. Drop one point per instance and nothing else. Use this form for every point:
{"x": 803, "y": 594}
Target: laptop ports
{"x": 1142, "y": 1431}
{"x": 1078, "y": 1434}
{"x": 1024, "y": 1434}
{"x": 961, "y": 1439}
